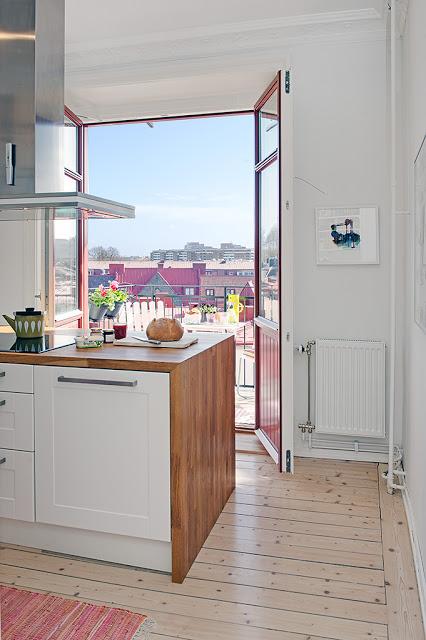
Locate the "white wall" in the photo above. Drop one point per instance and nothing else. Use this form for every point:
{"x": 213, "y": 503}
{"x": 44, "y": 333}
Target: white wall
{"x": 340, "y": 137}
{"x": 19, "y": 280}
{"x": 414, "y": 56}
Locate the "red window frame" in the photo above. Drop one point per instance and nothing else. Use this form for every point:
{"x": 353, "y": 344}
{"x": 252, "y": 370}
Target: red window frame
{"x": 80, "y": 178}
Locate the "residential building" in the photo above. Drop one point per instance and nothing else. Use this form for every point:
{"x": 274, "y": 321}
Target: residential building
{"x": 210, "y": 280}
{"x": 198, "y": 251}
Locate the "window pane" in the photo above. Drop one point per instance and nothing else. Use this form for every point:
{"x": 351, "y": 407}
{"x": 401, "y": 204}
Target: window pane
{"x": 66, "y": 266}
{"x": 269, "y": 243}
{"x": 70, "y": 184}
{"x": 70, "y": 145}
{"x": 268, "y": 127}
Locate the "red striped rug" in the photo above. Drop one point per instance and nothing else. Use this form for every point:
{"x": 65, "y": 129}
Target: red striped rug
{"x": 26, "y": 615}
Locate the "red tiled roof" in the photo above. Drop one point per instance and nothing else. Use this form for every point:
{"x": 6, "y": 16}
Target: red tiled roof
{"x": 142, "y": 275}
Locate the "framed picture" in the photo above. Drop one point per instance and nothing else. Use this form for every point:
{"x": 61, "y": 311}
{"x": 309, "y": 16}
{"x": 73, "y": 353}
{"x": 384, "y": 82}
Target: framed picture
{"x": 419, "y": 237}
{"x": 347, "y": 235}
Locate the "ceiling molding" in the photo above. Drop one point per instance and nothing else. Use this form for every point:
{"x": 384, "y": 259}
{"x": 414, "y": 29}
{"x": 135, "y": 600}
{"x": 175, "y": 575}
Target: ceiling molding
{"x": 234, "y": 28}
{"x": 144, "y": 62}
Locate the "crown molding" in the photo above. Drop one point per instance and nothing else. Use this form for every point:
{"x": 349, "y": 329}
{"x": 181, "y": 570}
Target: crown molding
{"x": 148, "y": 62}
{"x": 234, "y": 28}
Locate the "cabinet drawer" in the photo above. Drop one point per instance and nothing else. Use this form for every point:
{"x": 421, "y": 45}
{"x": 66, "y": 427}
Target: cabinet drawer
{"x": 17, "y": 485}
{"x": 16, "y": 421}
{"x": 16, "y": 377}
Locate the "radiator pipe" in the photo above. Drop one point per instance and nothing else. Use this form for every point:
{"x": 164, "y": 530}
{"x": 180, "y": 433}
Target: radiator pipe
{"x": 393, "y": 276}
{"x": 307, "y": 426}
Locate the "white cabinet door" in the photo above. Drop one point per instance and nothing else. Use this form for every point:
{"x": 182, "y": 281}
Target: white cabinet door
{"x": 16, "y": 377}
{"x": 16, "y": 421}
{"x": 17, "y": 485}
{"x": 103, "y": 450}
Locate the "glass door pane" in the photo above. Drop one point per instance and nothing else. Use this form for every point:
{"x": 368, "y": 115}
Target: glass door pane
{"x": 65, "y": 266}
{"x": 269, "y": 245}
{"x": 70, "y": 145}
{"x": 268, "y": 127}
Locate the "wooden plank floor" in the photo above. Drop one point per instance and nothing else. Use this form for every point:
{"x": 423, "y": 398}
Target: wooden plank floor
{"x": 323, "y": 555}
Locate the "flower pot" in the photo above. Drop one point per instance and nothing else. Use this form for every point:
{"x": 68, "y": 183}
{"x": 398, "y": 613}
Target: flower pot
{"x": 114, "y": 312}
{"x": 96, "y": 314}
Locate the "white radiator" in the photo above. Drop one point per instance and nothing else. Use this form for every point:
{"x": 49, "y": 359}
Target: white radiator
{"x": 350, "y": 388}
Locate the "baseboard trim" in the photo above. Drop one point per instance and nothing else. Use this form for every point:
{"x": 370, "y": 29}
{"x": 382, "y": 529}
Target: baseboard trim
{"x": 417, "y": 556}
{"x": 95, "y": 545}
{"x": 339, "y": 454}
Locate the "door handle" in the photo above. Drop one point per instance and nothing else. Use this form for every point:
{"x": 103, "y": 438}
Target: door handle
{"x": 2, "y": 460}
{"x": 2, "y": 403}
{"x": 2, "y": 374}
{"x": 109, "y": 383}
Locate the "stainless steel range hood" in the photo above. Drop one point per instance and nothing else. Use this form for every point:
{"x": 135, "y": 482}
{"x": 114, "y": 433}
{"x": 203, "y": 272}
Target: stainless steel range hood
{"x": 66, "y": 205}
{"x": 32, "y": 37}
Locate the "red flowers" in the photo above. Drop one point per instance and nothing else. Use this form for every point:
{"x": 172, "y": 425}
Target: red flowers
{"x": 114, "y": 285}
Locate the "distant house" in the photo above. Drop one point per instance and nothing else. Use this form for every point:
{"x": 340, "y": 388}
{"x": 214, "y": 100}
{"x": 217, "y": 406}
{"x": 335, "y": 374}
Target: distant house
{"x": 178, "y": 280}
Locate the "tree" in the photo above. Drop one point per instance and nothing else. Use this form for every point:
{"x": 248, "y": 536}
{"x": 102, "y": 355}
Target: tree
{"x": 104, "y": 253}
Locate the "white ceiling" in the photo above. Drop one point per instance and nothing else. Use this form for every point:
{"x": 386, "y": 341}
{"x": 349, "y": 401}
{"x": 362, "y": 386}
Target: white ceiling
{"x": 132, "y": 58}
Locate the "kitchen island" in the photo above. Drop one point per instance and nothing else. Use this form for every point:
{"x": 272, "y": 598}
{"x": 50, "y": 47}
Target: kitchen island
{"x": 123, "y": 454}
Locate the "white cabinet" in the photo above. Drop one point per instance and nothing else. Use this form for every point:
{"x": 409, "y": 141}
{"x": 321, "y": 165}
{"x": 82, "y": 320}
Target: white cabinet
{"x": 17, "y": 485}
{"x": 103, "y": 450}
{"x": 16, "y": 421}
{"x": 16, "y": 377}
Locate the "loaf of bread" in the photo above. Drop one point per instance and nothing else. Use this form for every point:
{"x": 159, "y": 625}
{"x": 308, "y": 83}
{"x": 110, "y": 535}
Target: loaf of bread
{"x": 164, "y": 329}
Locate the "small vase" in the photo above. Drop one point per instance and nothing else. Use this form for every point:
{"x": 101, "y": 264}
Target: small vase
{"x": 96, "y": 314}
{"x": 114, "y": 312}
{"x": 203, "y": 316}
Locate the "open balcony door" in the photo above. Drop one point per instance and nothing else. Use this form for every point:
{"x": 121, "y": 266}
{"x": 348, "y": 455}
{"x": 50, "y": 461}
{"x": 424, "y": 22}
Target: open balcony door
{"x": 274, "y": 270}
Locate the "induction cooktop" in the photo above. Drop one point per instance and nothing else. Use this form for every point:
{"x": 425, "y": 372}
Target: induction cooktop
{"x": 9, "y": 342}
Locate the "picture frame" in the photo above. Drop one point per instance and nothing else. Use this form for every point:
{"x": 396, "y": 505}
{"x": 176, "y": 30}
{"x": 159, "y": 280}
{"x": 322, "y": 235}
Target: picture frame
{"x": 420, "y": 236}
{"x": 347, "y": 235}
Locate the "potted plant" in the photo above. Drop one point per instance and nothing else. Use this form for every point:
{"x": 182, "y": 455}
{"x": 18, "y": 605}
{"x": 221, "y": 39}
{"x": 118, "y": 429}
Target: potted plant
{"x": 207, "y": 312}
{"x": 100, "y": 301}
{"x": 119, "y": 296}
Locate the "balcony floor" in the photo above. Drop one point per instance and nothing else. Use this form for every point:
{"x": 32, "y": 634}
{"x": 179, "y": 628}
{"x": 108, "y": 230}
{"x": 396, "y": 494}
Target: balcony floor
{"x": 245, "y": 408}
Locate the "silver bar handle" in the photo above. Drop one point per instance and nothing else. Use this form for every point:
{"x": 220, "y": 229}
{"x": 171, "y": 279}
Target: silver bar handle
{"x": 2, "y": 403}
{"x": 109, "y": 383}
{"x": 2, "y": 374}
{"x": 2, "y": 460}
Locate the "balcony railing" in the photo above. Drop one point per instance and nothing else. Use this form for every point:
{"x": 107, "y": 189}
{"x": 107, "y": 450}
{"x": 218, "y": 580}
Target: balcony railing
{"x": 165, "y": 302}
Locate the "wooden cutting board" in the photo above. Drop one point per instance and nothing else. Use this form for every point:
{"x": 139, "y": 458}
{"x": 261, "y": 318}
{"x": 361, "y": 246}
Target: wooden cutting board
{"x": 186, "y": 341}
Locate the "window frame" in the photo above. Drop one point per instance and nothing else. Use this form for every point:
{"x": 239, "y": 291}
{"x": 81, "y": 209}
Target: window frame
{"x": 79, "y": 315}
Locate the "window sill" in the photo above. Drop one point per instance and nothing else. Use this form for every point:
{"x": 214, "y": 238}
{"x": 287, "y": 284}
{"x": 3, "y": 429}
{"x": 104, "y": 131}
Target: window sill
{"x": 69, "y": 316}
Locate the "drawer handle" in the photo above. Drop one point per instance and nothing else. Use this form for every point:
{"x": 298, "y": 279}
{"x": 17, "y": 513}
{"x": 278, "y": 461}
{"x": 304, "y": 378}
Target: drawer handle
{"x": 109, "y": 383}
{"x": 2, "y": 374}
{"x": 2, "y": 403}
{"x": 2, "y": 460}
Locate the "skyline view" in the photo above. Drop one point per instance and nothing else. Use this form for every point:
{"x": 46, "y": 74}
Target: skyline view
{"x": 190, "y": 180}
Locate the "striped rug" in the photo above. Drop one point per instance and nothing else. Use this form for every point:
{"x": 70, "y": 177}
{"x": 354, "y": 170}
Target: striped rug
{"x": 26, "y": 615}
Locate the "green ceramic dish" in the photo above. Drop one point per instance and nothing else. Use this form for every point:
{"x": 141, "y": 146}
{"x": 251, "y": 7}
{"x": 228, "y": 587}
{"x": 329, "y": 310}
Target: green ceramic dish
{"x": 82, "y": 342}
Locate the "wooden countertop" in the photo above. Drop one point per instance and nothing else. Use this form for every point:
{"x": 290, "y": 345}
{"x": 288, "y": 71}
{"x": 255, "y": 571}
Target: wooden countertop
{"x": 112, "y": 357}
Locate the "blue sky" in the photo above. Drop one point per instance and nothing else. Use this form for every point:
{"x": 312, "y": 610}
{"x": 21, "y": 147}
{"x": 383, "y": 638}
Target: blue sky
{"x": 190, "y": 180}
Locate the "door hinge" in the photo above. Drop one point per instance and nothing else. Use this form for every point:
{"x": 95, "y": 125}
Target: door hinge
{"x": 288, "y": 461}
{"x": 287, "y": 82}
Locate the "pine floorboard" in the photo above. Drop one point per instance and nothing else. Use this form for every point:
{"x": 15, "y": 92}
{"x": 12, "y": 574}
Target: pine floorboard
{"x": 323, "y": 555}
